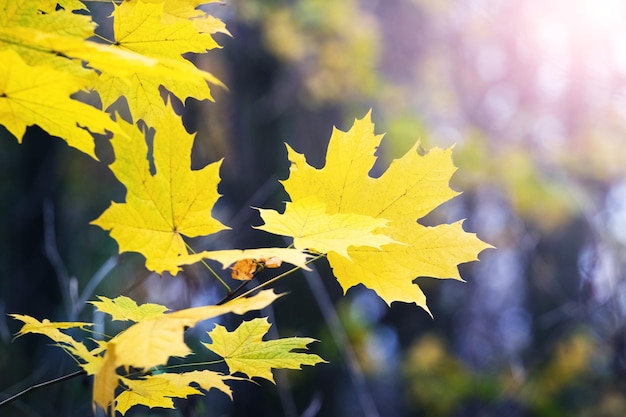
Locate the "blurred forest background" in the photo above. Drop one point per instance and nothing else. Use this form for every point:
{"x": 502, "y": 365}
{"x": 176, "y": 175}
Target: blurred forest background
{"x": 533, "y": 96}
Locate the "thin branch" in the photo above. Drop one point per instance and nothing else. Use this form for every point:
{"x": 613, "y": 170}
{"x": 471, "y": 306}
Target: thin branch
{"x": 93, "y": 283}
{"x": 137, "y": 283}
{"x": 42, "y": 385}
{"x": 314, "y": 407}
{"x": 285, "y": 393}
{"x": 233, "y": 293}
{"x": 338, "y": 333}
{"x": 54, "y": 257}
{"x": 5, "y": 333}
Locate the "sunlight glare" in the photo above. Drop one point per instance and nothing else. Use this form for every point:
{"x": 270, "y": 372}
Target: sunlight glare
{"x": 578, "y": 39}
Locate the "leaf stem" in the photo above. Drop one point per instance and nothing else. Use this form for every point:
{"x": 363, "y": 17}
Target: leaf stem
{"x": 182, "y": 365}
{"x": 232, "y": 293}
{"x": 215, "y": 274}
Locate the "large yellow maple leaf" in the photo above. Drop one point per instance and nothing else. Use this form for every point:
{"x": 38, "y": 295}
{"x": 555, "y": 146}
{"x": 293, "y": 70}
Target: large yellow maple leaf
{"x": 162, "y": 30}
{"x": 408, "y": 190}
{"x": 40, "y": 95}
{"x": 160, "y": 208}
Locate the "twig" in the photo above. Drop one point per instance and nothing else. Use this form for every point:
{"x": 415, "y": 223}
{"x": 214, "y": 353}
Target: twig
{"x": 331, "y": 318}
{"x": 232, "y": 294}
{"x": 54, "y": 257}
{"x": 314, "y": 406}
{"x": 93, "y": 283}
{"x": 285, "y": 393}
{"x": 137, "y": 283}
{"x": 42, "y": 385}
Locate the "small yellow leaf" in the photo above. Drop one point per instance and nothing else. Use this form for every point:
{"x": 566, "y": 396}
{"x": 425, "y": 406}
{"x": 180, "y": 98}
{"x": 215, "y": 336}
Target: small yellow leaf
{"x": 123, "y": 308}
{"x": 206, "y": 379}
{"x": 159, "y": 389}
{"x": 47, "y": 327}
{"x": 90, "y": 360}
{"x": 151, "y": 391}
{"x": 244, "y": 350}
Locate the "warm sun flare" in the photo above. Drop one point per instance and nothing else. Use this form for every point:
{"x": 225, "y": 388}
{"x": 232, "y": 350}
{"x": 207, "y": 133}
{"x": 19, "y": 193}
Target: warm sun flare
{"x": 587, "y": 33}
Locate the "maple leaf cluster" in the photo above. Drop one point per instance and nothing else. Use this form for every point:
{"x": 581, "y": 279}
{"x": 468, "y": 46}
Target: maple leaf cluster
{"x": 154, "y": 336}
{"x": 44, "y": 49}
{"x": 366, "y": 227}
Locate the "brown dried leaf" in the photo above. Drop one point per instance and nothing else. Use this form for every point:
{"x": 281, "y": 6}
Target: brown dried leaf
{"x": 244, "y": 269}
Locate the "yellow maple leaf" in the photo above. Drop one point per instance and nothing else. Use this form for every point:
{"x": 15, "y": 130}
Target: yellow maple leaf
{"x": 161, "y": 30}
{"x": 188, "y": 9}
{"x": 205, "y": 379}
{"x": 427, "y": 252}
{"x": 145, "y": 53}
{"x": 39, "y": 47}
{"x": 312, "y": 227}
{"x": 158, "y": 390}
{"x": 161, "y": 208}
{"x": 50, "y": 6}
{"x": 58, "y": 38}
{"x": 124, "y": 308}
{"x": 60, "y": 21}
{"x": 151, "y": 391}
{"x": 91, "y": 361}
{"x": 152, "y": 341}
{"x": 40, "y": 95}
{"x": 47, "y": 327}
{"x": 53, "y": 43}
{"x": 244, "y": 350}
{"x": 141, "y": 89}
{"x": 140, "y": 27}
{"x": 410, "y": 188}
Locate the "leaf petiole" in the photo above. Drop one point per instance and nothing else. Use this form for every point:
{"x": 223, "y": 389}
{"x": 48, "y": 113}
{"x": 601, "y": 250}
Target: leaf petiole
{"x": 215, "y": 274}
